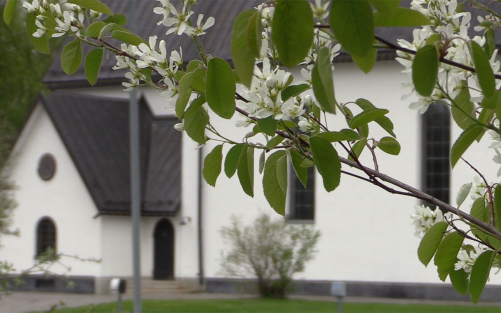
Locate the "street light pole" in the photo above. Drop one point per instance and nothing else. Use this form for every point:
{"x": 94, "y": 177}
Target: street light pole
{"x": 135, "y": 176}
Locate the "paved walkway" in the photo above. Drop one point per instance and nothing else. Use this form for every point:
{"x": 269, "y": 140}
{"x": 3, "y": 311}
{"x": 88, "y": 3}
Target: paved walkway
{"x": 22, "y": 302}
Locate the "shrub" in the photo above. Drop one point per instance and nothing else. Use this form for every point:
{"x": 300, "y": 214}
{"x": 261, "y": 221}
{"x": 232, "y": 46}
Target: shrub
{"x": 270, "y": 250}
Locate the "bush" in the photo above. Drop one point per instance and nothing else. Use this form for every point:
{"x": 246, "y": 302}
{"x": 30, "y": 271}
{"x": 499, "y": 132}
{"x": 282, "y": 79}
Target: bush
{"x": 270, "y": 250}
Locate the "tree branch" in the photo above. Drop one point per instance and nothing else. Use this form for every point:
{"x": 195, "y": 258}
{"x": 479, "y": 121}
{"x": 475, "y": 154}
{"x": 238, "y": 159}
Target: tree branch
{"x": 416, "y": 193}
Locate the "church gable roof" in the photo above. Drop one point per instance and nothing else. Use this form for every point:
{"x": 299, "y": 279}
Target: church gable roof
{"x": 216, "y": 41}
{"x": 95, "y": 132}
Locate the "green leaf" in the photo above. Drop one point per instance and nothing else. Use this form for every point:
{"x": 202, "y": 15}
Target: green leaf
{"x": 212, "y": 165}
{"x": 459, "y": 280}
{"x": 220, "y": 88}
{"x": 231, "y": 161}
{"x": 71, "y": 58}
{"x": 198, "y": 81}
{"x": 253, "y": 34}
{"x": 307, "y": 163}
{"x": 480, "y": 274}
{"x": 195, "y": 120}
{"x": 366, "y": 63}
{"x": 271, "y": 187}
{"x": 484, "y": 71}
{"x": 491, "y": 102}
{"x": 275, "y": 141}
{"x": 386, "y": 7}
{"x": 448, "y": 249}
{"x": 93, "y": 5}
{"x": 94, "y": 29}
{"x": 389, "y": 145}
{"x": 464, "y": 141}
{"x": 480, "y": 211}
{"x": 262, "y": 159}
{"x": 301, "y": 172}
{"x": 268, "y": 125}
{"x": 403, "y": 17}
{"x": 128, "y": 37}
{"x": 293, "y": 91}
{"x": 184, "y": 94}
{"x": 323, "y": 84}
{"x": 353, "y": 25}
{"x": 366, "y": 117}
{"x": 108, "y": 28}
{"x": 282, "y": 174}
{"x": 39, "y": 44}
{"x": 245, "y": 169}
{"x": 8, "y": 11}
{"x": 462, "y": 102}
{"x": 357, "y": 148}
{"x": 193, "y": 65}
{"x": 119, "y": 19}
{"x": 292, "y": 30}
{"x": 490, "y": 42}
{"x": 344, "y": 134}
{"x": 425, "y": 70}
{"x": 327, "y": 161}
{"x": 242, "y": 56}
{"x": 433, "y": 38}
{"x": 93, "y": 65}
{"x": 430, "y": 242}
{"x": 384, "y": 122}
{"x": 464, "y": 191}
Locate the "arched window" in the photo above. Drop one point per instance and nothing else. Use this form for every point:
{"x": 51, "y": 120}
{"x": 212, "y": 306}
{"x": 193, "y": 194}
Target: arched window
{"x": 436, "y": 147}
{"x": 46, "y": 235}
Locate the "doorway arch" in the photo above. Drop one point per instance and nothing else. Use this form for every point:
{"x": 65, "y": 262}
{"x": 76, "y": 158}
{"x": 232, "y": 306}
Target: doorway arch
{"x": 163, "y": 250}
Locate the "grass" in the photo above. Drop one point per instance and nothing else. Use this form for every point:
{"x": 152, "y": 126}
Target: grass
{"x": 273, "y": 306}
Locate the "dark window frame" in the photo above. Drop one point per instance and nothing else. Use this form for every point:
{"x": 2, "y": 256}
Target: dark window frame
{"x": 46, "y": 236}
{"x": 301, "y": 207}
{"x": 435, "y": 152}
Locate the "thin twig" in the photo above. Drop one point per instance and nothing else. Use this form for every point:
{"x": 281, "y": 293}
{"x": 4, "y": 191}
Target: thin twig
{"x": 441, "y": 59}
{"x": 489, "y": 191}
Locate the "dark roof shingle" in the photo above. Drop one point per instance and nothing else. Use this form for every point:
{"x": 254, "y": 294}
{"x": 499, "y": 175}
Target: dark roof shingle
{"x": 95, "y": 132}
{"x": 216, "y": 40}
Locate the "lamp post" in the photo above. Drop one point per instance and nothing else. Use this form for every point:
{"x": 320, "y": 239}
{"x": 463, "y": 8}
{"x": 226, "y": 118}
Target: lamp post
{"x": 135, "y": 187}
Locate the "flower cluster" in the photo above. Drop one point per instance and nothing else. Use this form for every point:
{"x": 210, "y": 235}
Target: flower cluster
{"x": 149, "y": 56}
{"x": 451, "y": 29}
{"x": 467, "y": 257}
{"x": 478, "y": 189}
{"x": 153, "y": 57}
{"x": 265, "y": 94}
{"x": 425, "y": 218}
{"x": 57, "y": 19}
{"x": 178, "y": 21}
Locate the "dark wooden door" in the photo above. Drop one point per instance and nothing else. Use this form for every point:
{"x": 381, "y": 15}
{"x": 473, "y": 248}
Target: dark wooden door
{"x": 164, "y": 251}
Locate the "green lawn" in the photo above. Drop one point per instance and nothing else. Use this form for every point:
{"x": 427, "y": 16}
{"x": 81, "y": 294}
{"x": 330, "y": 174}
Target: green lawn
{"x": 274, "y": 306}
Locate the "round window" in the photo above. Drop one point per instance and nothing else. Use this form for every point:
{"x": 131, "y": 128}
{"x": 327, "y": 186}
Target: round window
{"x": 47, "y": 166}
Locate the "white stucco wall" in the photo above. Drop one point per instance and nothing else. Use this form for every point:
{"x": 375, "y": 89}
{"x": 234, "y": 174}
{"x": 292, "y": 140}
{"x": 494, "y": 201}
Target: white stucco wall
{"x": 64, "y": 199}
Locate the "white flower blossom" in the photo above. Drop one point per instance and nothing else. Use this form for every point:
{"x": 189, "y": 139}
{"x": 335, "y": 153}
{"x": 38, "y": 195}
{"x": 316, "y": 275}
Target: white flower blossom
{"x": 179, "y": 23}
{"x": 201, "y": 27}
{"x": 179, "y": 127}
{"x": 467, "y": 260}
{"x": 425, "y": 218}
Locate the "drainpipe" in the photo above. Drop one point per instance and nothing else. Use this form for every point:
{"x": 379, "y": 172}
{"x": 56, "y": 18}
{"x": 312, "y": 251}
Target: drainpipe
{"x": 201, "y": 277}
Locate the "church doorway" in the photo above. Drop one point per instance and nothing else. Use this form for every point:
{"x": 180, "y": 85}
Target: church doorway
{"x": 163, "y": 267}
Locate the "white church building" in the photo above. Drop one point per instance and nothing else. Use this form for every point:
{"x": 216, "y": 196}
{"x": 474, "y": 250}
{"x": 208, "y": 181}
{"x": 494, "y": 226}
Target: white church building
{"x": 71, "y": 168}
